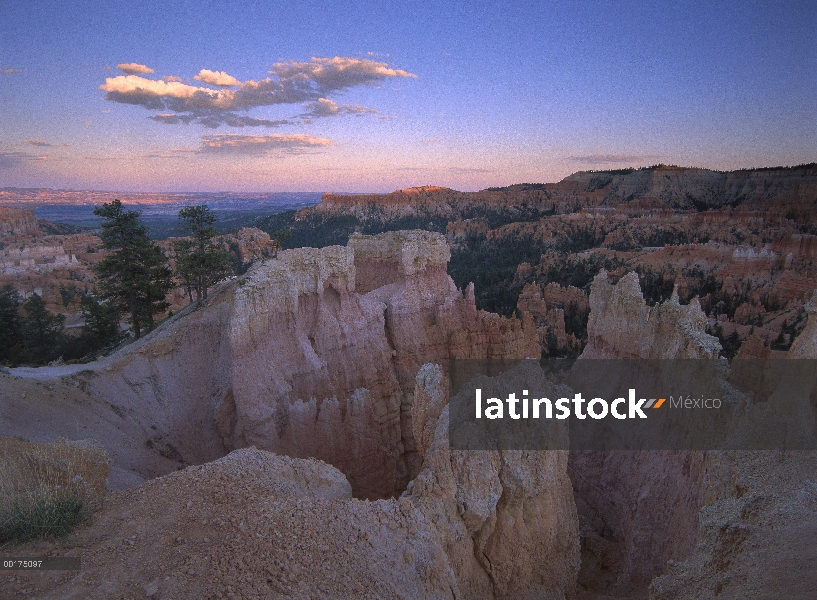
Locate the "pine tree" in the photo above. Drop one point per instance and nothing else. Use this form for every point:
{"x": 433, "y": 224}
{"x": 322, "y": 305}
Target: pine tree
{"x": 101, "y": 322}
{"x": 200, "y": 262}
{"x": 135, "y": 276}
{"x": 11, "y": 335}
{"x": 41, "y": 331}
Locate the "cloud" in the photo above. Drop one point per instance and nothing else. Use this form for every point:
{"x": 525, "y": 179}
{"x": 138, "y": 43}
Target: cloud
{"x": 219, "y": 78}
{"x": 10, "y": 160}
{"x": 431, "y": 141}
{"x": 215, "y": 118}
{"x": 172, "y": 78}
{"x": 603, "y": 159}
{"x": 234, "y": 143}
{"x": 37, "y": 143}
{"x": 134, "y": 69}
{"x": 328, "y": 108}
{"x": 9, "y": 71}
{"x": 468, "y": 171}
{"x": 161, "y": 154}
{"x": 333, "y": 74}
{"x": 290, "y": 83}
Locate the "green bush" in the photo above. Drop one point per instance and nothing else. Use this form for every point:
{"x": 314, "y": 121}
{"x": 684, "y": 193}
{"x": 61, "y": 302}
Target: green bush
{"x": 46, "y": 515}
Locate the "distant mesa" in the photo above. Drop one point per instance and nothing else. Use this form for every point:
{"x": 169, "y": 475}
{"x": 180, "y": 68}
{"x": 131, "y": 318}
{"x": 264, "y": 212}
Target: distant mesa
{"x": 650, "y": 188}
{"x": 423, "y": 189}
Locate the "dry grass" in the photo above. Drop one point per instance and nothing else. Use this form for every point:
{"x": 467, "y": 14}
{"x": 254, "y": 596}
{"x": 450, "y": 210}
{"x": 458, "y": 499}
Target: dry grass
{"x": 47, "y": 489}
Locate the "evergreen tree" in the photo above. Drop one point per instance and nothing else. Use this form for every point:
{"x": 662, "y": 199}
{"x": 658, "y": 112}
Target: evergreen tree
{"x": 101, "y": 322}
{"x": 11, "y": 335}
{"x": 200, "y": 262}
{"x": 42, "y": 331}
{"x": 134, "y": 277}
{"x": 184, "y": 269}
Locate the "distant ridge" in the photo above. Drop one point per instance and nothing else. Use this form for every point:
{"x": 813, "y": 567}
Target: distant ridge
{"x": 648, "y": 188}
{"x": 527, "y": 187}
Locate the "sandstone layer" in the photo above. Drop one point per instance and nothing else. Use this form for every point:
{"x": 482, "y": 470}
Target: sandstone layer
{"x": 506, "y": 518}
{"x": 697, "y": 524}
{"x": 291, "y": 358}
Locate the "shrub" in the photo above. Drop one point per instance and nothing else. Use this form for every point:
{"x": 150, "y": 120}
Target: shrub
{"x": 48, "y": 489}
{"x": 46, "y": 514}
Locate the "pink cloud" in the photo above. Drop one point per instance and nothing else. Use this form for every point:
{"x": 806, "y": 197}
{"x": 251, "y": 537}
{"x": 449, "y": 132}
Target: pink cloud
{"x": 134, "y": 68}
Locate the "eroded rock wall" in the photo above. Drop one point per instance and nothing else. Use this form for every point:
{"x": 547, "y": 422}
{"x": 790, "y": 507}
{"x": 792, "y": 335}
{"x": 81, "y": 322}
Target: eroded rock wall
{"x": 18, "y": 222}
{"x": 506, "y": 519}
{"x": 293, "y": 358}
{"x": 637, "y": 510}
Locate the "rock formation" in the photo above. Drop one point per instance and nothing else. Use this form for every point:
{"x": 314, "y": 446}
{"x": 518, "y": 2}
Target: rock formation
{"x": 636, "y": 508}
{"x": 323, "y": 355}
{"x": 698, "y": 524}
{"x": 549, "y": 306}
{"x": 253, "y": 524}
{"x": 18, "y": 222}
{"x": 621, "y": 325}
{"x": 758, "y": 528}
{"x": 251, "y": 244}
{"x": 506, "y": 519}
{"x": 653, "y": 188}
{"x": 294, "y": 359}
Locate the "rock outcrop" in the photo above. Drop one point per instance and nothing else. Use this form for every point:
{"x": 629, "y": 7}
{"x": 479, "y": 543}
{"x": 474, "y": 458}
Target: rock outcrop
{"x": 621, "y": 325}
{"x": 691, "y": 524}
{"x": 637, "y": 509}
{"x": 18, "y": 222}
{"x": 549, "y": 306}
{"x": 35, "y": 258}
{"x": 251, "y": 524}
{"x": 299, "y": 358}
{"x": 251, "y": 244}
{"x": 294, "y": 359}
{"x": 506, "y": 519}
{"x": 757, "y": 532}
{"x": 805, "y": 346}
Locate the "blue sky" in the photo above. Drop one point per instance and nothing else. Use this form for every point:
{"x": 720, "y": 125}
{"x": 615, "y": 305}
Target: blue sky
{"x": 321, "y": 96}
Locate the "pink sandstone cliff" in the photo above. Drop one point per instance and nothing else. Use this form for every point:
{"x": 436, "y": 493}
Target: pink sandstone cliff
{"x": 690, "y": 524}
{"x": 18, "y": 222}
{"x": 297, "y": 358}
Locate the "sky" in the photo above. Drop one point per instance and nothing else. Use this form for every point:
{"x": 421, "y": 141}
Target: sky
{"x": 377, "y": 96}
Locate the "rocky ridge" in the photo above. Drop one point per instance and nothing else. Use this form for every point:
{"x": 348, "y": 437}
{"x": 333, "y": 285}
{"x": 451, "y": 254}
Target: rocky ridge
{"x": 293, "y": 359}
{"x": 653, "y": 188}
{"x": 639, "y": 512}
